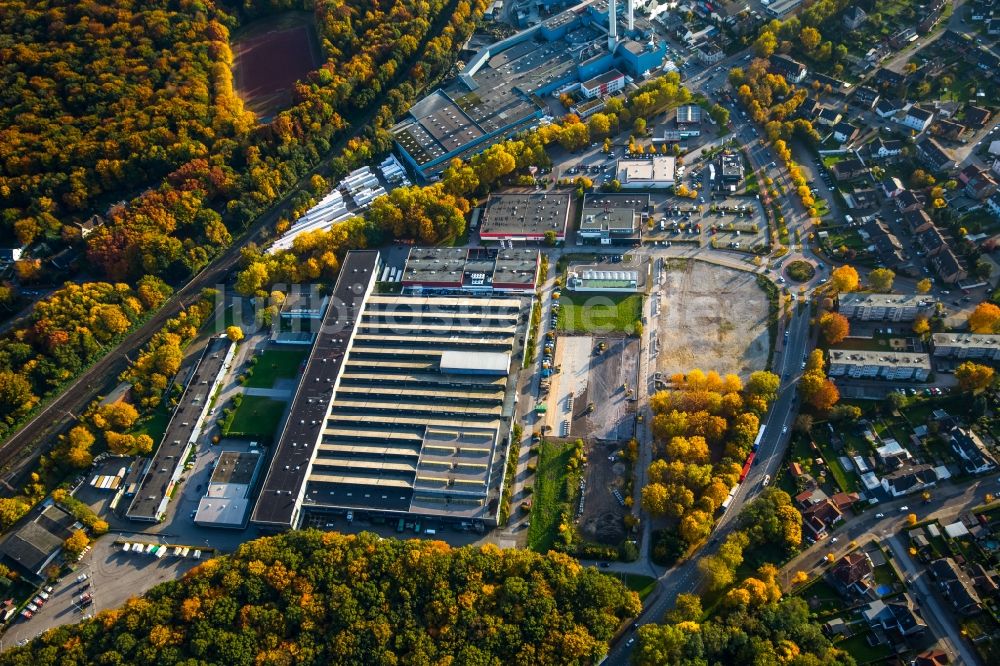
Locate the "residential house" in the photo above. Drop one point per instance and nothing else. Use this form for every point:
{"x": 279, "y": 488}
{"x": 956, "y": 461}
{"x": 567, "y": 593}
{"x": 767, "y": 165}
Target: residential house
{"x": 948, "y": 267}
{"x": 849, "y": 169}
{"x": 932, "y": 14}
{"x": 901, "y": 38}
{"x": 854, "y": 17}
{"x": 709, "y": 52}
{"x": 948, "y": 129}
{"x": 894, "y": 617}
{"x": 792, "y": 70}
{"x": 845, "y": 132}
{"x": 9, "y": 255}
{"x": 917, "y": 221}
{"x": 889, "y": 248}
{"x": 854, "y": 573}
{"x": 978, "y": 184}
{"x": 866, "y": 97}
{"x": 89, "y": 225}
{"x": 892, "y": 187}
{"x": 892, "y": 455}
{"x": 909, "y": 480}
{"x": 886, "y": 108}
{"x": 993, "y": 204}
{"x": 946, "y": 108}
{"x": 931, "y": 241}
{"x": 883, "y": 149}
{"x": 933, "y": 155}
{"x": 976, "y": 117}
{"x": 988, "y": 61}
{"x": 844, "y": 501}
{"x": 809, "y": 109}
{"x": 976, "y": 459}
{"x": 862, "y": 199}
{"x": 908, "y": 200}
{"x": 829, "y": 116}
{"x": 954, "y": 41}
{"x": 918, "y": 119}
{"x": 931, "y": 657}
{"x": 817, "y": 517}
{"x": 956, "y": 586}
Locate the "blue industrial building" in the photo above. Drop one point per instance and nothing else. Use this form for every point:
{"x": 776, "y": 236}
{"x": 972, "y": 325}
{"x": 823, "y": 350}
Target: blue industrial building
{"x": 498, "y": 94}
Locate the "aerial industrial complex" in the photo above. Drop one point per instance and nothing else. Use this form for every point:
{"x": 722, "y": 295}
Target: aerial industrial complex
{"x": 405, "y": 407}
{"x": 497, "y": 94}
{"x": 161, "y": 473}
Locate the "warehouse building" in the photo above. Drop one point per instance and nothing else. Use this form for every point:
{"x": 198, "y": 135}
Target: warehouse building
{"x": 161, "y": 473}
{"x": 524, "y": 217}
{"x": 885, "y": 307}
{"x": 34, "y": 546}
{"x": 227, "y": 498}
{"x": 404, "y": 412}
{"x": 967, "y": 345}
{"x": 478, "y": 270}
{"x": 891, "y": 366}
{"x": 645, "y": 173}
{"x": 613, "y": 218}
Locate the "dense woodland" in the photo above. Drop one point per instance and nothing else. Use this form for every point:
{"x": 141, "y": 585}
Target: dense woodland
{"x": 104, "y": 101}
{"x": 704, "y": 428}
{"x": 757, "y": 628}
{"x": 326, "y": 598}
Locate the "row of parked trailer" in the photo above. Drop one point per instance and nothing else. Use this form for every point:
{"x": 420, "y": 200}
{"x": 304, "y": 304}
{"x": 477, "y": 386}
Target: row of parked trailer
{"x": 158, "y": 551}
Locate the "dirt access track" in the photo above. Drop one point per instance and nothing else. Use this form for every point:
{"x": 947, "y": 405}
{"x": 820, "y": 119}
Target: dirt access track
{"x": 710, "y": 317}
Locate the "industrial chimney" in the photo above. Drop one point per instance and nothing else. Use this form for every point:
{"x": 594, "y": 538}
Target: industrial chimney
{"x": 631, "y": 17}
{"x": 612, "y": 25}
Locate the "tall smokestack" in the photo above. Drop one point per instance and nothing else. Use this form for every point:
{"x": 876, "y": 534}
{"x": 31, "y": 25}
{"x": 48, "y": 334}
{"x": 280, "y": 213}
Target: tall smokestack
{"x": 612, "y": 25}
{"x": 631, "y": 18}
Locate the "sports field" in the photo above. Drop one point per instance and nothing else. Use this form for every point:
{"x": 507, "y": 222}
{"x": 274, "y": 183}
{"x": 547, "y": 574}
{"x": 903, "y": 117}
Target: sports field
{"x": 269, "y": 56}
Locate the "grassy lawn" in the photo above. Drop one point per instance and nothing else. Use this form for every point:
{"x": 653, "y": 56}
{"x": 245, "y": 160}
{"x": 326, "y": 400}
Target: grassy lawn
{"x": 844, "y": 237}
{"x": 843, "y": 478}
{"x": 276, "y": 364}
{"x": 857, "y": 646}
{"x": 155, "y": 425}
{"x": 821, "y": 596}
{"x": 644, "y": 585}
{"x": 599, "y": 314}
{"x": 884, "y": 575}
{"x": 549, "y": 495}
{"x": 256, "y": 418}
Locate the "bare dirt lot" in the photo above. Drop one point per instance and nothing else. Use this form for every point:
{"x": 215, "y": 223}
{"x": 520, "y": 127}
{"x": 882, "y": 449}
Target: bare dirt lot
{"x": 270, "y": 55}
{"x": 603, "y": 514}
{"x": 713, "y": 318}
{"x": 588, "y": 377}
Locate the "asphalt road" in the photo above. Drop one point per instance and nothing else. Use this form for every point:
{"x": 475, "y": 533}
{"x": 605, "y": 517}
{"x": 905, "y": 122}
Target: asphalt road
{"x": 685, "y": 577}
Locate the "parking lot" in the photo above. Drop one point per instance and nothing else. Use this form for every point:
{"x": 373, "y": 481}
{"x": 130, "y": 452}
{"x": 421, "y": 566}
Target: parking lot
{"x": 112, "y": 577}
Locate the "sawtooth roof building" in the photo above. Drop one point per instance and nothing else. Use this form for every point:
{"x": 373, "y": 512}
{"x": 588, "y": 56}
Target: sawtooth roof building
{"x": 498, "y": 93}
{"x": 405, "y": 408}
{"x": 473, "y": 270}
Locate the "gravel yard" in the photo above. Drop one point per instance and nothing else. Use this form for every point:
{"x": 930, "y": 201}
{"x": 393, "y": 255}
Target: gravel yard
{"x": 713, "y": 318}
